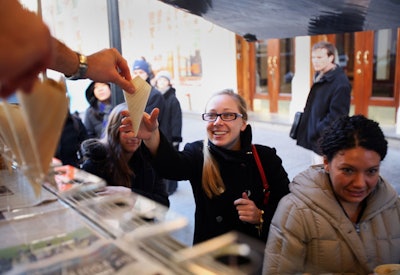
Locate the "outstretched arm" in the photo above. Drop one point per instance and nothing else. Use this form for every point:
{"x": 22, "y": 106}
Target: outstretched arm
{"x": 103, "y": 66}
{"x": 28, "y": 49}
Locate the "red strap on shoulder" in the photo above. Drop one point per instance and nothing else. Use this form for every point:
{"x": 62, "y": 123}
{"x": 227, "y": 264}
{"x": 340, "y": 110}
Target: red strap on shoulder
{"x": 262, "y": 173}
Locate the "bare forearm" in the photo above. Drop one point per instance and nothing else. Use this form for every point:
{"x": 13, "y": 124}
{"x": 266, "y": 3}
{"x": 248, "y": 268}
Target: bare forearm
{"x": 106, "y": 65}
{"x": 65, "y": 60}
{"x": 33, "y": 50}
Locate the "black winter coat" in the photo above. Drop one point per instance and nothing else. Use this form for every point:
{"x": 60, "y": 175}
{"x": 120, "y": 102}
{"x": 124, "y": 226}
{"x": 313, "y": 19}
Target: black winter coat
{"x": 73, "y": 134}
{"x": 329, "y": 99}
{"x": 239, "y": 172}
{"x": 172, "y": 117}
{"x": 96, "y": 115}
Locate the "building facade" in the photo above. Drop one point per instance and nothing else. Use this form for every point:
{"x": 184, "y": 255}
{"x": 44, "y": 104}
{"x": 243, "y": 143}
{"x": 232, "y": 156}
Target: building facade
{"x": 273, "y": 75}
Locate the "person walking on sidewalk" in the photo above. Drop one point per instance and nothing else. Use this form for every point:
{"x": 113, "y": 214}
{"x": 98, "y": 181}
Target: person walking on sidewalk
{"x": 329, "y": 98}
{"x": 225, "y": 170}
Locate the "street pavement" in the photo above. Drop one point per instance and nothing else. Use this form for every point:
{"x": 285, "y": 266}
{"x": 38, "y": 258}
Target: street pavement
{"x": 273, "y": 133}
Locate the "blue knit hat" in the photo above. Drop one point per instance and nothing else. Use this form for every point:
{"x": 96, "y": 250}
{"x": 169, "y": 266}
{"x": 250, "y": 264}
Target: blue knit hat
{"x": 141, "y": 65}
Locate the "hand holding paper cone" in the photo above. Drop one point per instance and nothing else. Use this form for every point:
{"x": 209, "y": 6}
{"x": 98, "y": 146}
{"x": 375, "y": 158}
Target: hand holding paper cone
{"x": 137, "y": 102}
{"x": 148, "y": 125}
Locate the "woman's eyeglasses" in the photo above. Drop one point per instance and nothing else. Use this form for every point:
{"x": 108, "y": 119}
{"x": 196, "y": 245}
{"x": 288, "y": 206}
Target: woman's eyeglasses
{"x": 223, "y": 116}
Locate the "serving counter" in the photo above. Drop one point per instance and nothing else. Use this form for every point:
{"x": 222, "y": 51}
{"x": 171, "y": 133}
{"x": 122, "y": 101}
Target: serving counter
{"x": 65, "y": 228}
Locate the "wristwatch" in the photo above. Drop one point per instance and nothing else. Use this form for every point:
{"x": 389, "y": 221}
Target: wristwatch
{"x": 83, "y": 66}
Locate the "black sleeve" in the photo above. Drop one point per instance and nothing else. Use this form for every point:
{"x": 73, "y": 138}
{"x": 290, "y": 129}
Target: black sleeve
{"x": 176, "y": 121}
{"x": 178, "y": 165}
{"x": 95, "y": 157}
{"x": 146, "y": 181}
{"x": 94, "y": 168}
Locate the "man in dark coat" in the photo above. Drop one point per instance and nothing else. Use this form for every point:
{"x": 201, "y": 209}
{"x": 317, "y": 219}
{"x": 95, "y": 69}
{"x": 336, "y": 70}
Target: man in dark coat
{"x": 329, "y": 98}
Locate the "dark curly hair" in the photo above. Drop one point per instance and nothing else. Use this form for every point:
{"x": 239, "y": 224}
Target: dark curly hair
{"x": 352, "y": 131}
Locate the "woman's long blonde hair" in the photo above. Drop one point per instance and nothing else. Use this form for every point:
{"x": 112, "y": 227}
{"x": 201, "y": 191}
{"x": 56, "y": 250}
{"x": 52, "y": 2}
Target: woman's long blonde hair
{"x": 212, "y": 182}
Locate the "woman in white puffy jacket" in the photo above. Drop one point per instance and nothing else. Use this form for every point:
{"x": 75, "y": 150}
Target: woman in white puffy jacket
{"x": 341, "y": 217}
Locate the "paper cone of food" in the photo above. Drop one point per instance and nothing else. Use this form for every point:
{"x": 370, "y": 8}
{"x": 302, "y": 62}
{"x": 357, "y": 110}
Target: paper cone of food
{"x": 14, "y": 132}
{"x": 44, "y": 111}
{"x": 16, "y": 136}
{"x": 137, "y": 101}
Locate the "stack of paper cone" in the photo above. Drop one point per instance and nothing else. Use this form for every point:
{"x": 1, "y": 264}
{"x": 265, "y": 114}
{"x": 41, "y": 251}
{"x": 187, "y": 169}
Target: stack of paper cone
{"x": 33, "y": 128}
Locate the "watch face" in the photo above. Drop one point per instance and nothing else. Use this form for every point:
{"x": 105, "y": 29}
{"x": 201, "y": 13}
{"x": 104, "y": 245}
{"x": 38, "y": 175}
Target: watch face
{"x": 80, "y": 73}
{"x": 82, "y": 59}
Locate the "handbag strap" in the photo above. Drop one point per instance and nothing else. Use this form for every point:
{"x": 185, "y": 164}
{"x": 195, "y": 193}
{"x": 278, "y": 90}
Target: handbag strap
{"x": 262, "y": 173}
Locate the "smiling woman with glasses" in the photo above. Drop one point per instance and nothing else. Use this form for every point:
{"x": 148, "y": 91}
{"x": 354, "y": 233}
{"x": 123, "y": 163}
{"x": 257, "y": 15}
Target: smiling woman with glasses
{"x": 232, "y": 190}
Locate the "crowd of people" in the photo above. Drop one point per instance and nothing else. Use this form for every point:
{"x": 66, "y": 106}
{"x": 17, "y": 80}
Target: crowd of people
{"x": 338, "y": 217}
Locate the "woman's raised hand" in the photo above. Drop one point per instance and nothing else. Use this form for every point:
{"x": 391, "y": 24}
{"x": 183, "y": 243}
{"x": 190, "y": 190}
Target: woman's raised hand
{"x": 148, "y": 126}
{"x": 148, "y": 130}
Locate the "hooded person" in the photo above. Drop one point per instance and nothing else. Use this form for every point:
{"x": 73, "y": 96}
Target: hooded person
{"x": 99, "y": 97}
{"x": 156, "y": 100}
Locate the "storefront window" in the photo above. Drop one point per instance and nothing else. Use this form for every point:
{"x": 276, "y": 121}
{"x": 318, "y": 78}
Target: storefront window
{"x": 384, "y": 63}
{"x": 261, "y": 67}
{"x": 286, "y": 65}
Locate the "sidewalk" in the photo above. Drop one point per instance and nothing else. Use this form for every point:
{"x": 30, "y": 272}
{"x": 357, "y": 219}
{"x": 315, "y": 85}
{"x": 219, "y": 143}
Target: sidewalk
{"x": 272, "y": 132}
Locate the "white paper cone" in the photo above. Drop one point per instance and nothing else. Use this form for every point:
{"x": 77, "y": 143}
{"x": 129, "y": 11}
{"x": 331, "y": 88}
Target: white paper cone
{"x": 44, "y": 110}
{"x": 137, "y": 101}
